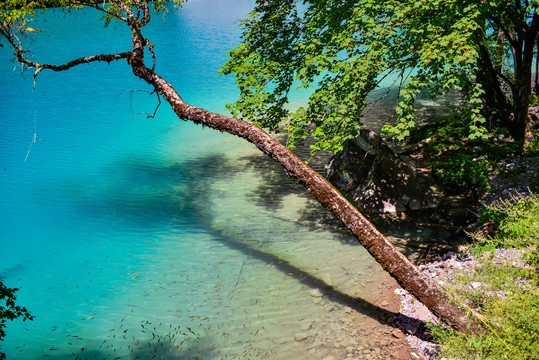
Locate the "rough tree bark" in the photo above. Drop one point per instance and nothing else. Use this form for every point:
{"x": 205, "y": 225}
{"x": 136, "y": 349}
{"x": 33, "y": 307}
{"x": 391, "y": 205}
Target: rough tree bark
{"x": 495, "y": 99}
{"x": 520, "y": 125}
{"x": 424, "y": 288}
{"x": 521, "y": 38}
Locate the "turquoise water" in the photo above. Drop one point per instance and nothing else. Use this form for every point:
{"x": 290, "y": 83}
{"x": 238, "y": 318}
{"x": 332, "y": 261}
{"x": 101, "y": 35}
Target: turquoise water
{"x": 133, "y": 237}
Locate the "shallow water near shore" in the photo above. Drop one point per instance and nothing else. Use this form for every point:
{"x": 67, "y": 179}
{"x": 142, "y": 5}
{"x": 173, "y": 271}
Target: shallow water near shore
{"x": 132, "y": 237}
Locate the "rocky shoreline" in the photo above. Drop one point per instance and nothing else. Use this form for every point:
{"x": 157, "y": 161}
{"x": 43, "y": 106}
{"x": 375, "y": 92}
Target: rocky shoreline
{"x": 507, "y": 184}
{"x": 413, "y": 315}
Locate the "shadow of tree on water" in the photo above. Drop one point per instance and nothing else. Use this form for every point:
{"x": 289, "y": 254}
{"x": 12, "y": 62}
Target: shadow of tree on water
{"x": 150, "y": 195}
{"x": 329, "y": 292}
{"x": 413, "y": 240}
{"x": 198, "y": 176}
{"x": 271, "y": 193}
{"x": 185, "y": 191}
{"x": 182, "y": 194}
{"x": 276, "y": 184}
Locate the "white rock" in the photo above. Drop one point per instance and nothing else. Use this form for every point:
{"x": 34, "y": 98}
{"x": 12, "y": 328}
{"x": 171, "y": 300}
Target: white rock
{"x": 400, "y": 291}
{"x": 475, "y": 285}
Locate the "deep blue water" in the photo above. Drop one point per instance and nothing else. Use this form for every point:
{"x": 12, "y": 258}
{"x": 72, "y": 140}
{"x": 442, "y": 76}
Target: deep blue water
{"x": 132, "y": 236}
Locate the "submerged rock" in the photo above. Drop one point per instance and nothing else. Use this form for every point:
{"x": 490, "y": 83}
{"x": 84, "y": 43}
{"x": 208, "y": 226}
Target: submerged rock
{"x": 377, "y": 178}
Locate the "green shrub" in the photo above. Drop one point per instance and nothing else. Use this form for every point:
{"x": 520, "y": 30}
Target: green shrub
{"x": 532, "y": 148}
{"x": 463, "y": 170}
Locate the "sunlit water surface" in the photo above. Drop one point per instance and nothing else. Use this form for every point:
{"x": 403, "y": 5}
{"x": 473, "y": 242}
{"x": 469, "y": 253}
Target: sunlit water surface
{"x": 133, "y": 237}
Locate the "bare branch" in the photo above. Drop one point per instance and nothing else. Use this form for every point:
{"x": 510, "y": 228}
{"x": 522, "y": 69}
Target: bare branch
{"x": 157, "y": 107}
{"x": 146, "y": 8}
{"x": 83, "y": 60}
{"x": 17, "y": 47}
{"x": 150, "y": 47}
{"x": 389, "y": 88}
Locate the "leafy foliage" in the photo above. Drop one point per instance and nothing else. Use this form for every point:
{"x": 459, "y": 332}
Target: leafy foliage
{"x": 461, "y": 163}
{"x": 532, "y": 148}
{"x": 343, "y": 50}
{"x": 455, "y": 159}
{"x": 10, "y": 311}
{"x": 463, "y": 170}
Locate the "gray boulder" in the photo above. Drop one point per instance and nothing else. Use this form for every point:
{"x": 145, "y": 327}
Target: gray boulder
{"x": 377, "y": 178}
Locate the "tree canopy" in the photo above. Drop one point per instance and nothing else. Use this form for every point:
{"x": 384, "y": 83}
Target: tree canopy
{"x": 342, "y": 50}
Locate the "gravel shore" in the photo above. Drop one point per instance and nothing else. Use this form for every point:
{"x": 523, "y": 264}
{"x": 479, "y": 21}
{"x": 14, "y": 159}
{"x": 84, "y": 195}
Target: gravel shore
{"x": 511, "y": 182}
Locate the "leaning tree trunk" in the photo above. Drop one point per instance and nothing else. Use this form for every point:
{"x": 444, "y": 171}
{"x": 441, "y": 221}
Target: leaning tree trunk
{"x": 423, "y": 287}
